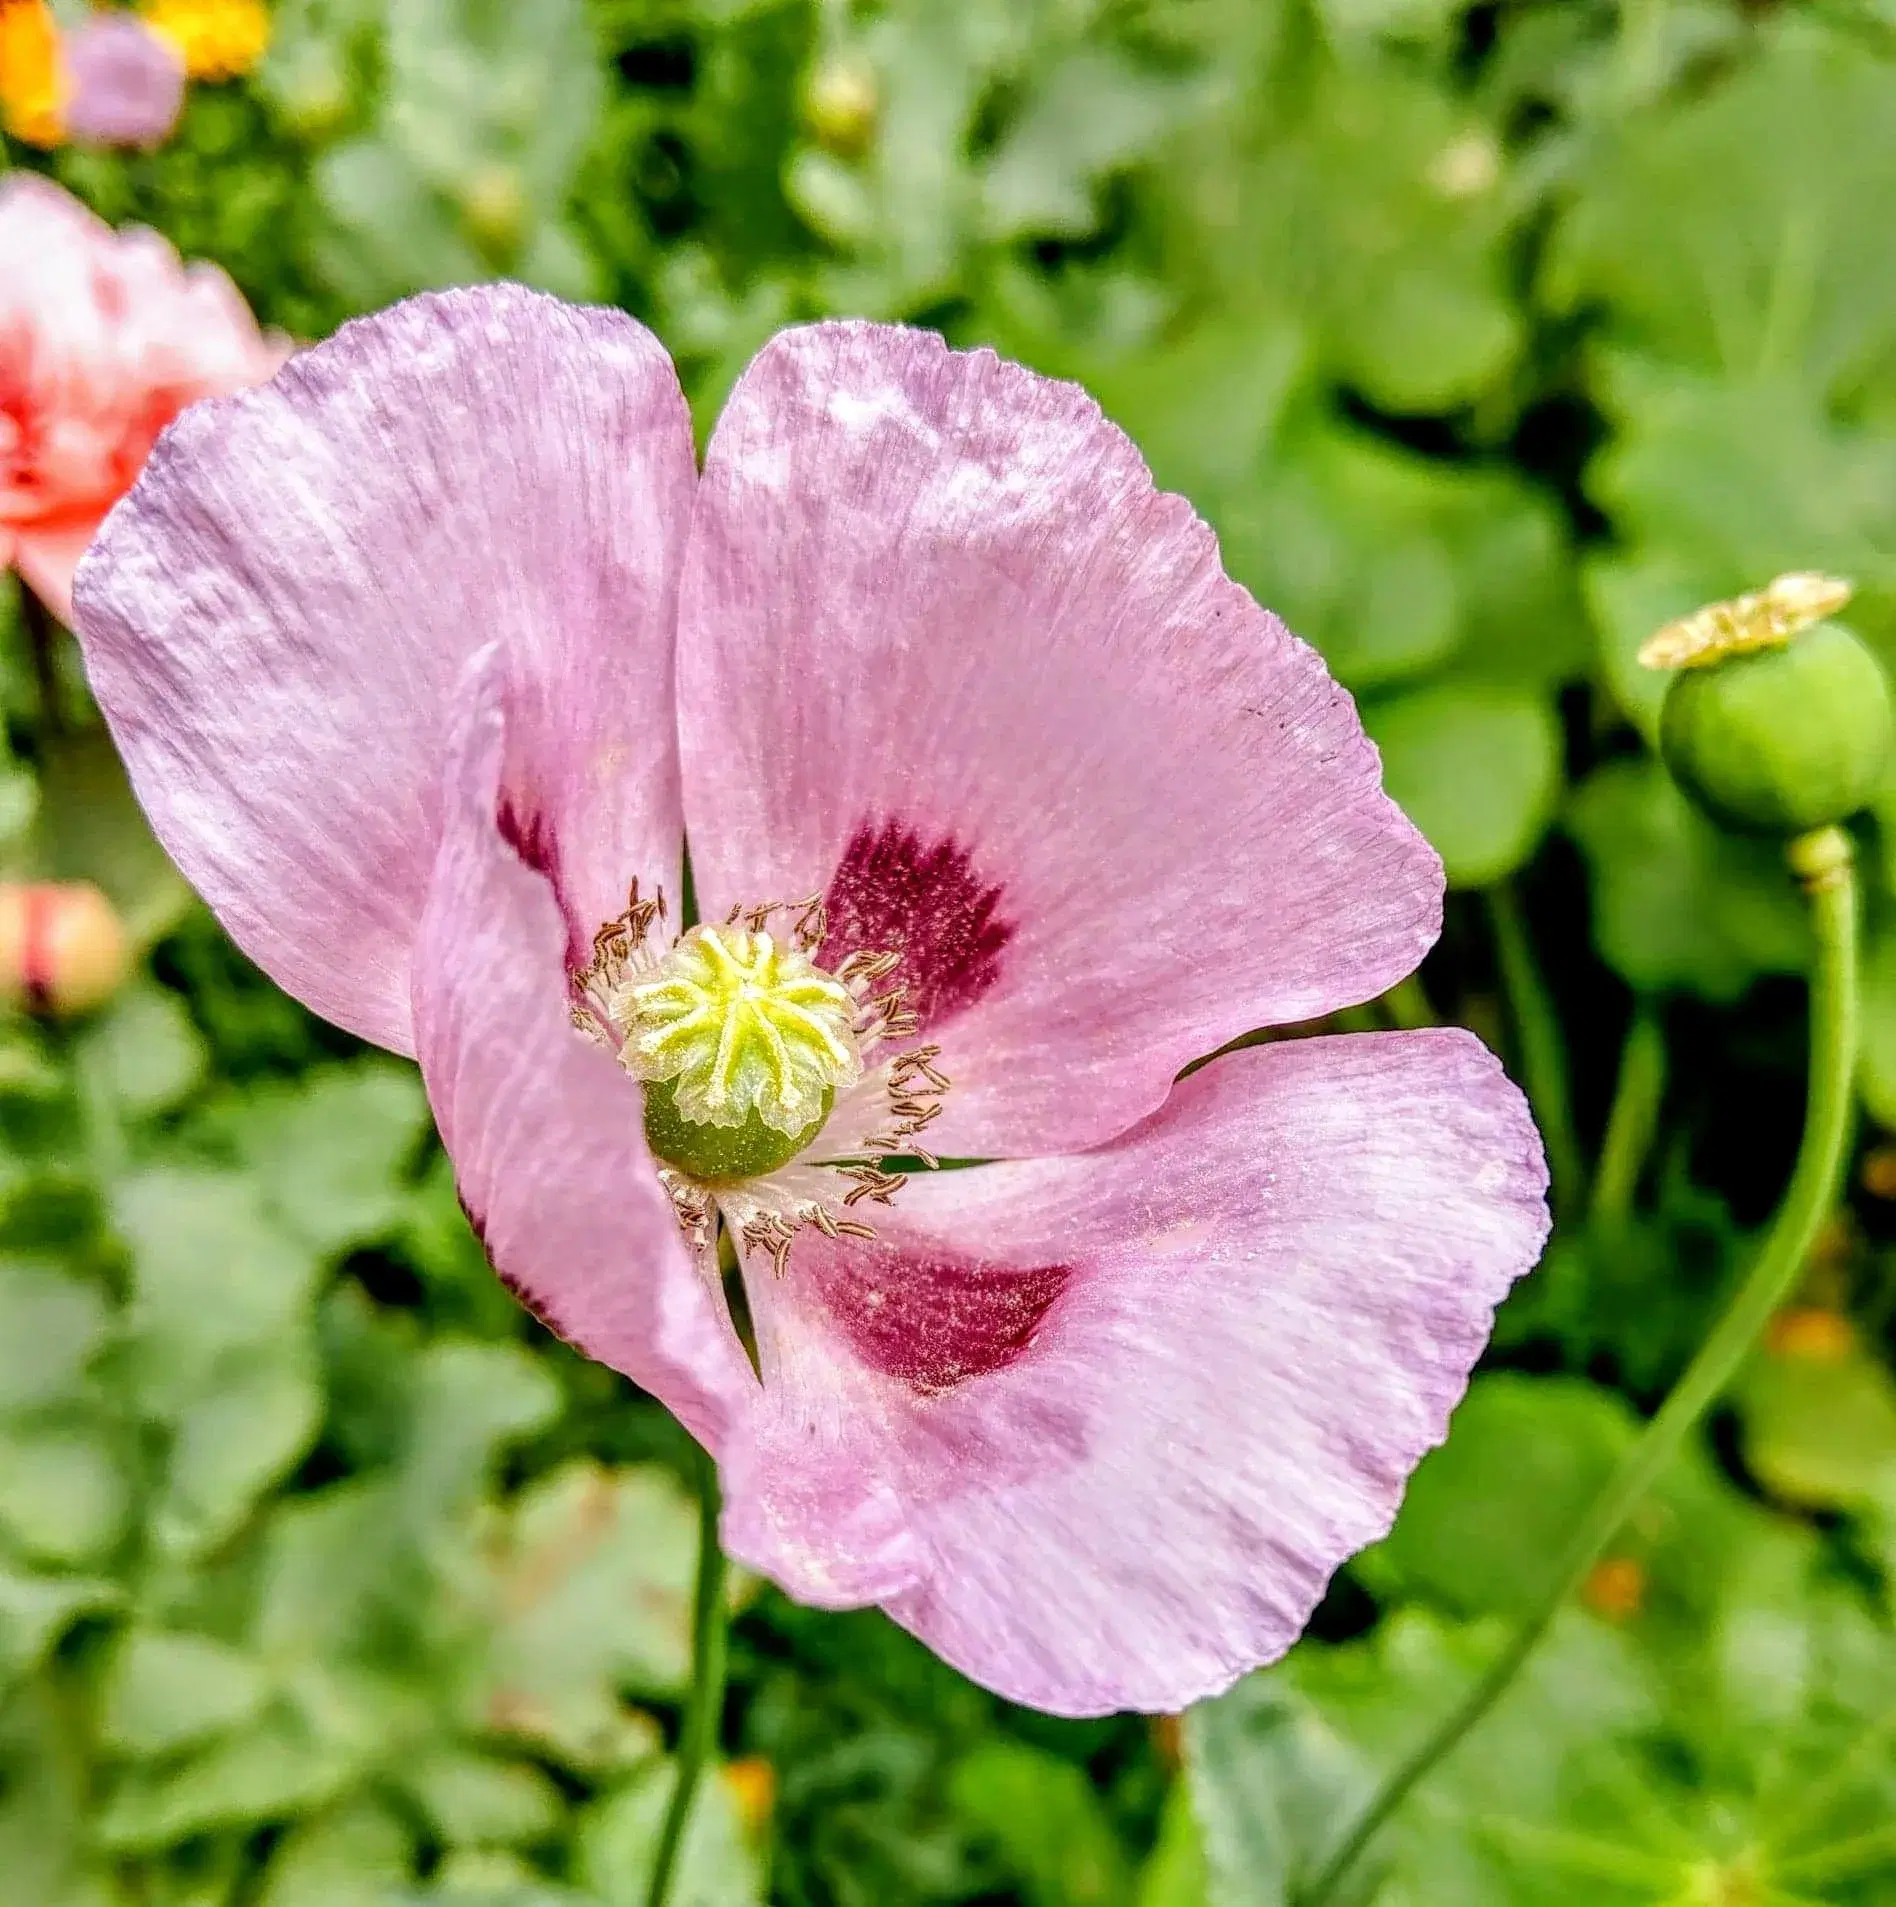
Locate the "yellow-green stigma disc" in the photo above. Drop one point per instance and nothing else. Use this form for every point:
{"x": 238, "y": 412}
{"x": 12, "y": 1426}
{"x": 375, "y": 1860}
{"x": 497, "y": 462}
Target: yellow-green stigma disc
{"x": 742, "y": 1044}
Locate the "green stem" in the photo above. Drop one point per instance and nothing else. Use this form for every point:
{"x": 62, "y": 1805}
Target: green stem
{"x": 705, "y": 1707}
{"x": 1542, "y": 1051}
{"x": 1408, "y": 1005}
{"x": 1823, "y": 860}
{"x": 42, "y": 643}
{"x": 1633, "y": 1120}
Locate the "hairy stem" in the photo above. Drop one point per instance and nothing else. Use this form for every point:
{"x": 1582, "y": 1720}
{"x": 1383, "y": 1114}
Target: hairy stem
{"x": 1823, "y": 861}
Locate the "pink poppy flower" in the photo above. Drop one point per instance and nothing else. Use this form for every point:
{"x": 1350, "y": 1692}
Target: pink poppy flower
{"x": 104, "y": 338}
{"x": 127, "y": 82}
{"x": 1004, "y": 805}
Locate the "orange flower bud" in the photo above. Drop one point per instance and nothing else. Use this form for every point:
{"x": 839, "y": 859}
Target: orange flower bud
{"x": 63, "y": 948}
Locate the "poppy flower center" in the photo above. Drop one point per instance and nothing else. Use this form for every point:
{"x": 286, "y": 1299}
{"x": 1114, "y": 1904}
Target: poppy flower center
{"x": 742, "y": 1043}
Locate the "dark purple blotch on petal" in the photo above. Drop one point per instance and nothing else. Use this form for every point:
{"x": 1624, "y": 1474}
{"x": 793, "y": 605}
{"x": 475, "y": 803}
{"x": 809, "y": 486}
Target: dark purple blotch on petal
{"x": 534, "y": 1306}
{"x": 935, "y": 1321}
{"x": 530, "y": 835}
{"x": 899, "y": 892}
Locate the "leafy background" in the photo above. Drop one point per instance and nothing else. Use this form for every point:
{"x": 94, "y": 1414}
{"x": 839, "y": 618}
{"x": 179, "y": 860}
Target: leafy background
{"x": 1488, "y": 336}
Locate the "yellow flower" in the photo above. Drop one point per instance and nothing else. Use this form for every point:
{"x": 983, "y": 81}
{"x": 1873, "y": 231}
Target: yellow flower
{"x": 216, "y": 39}
{"x": 32, "y": 74}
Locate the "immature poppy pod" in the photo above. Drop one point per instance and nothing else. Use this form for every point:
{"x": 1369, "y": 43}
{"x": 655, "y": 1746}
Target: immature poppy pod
{"x": 1004, "y": 805}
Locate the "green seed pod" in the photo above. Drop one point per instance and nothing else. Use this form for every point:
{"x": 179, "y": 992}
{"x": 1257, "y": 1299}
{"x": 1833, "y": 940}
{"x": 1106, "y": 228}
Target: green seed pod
{"x": 720, "y": 1155}
{"x": 1780, "y": 739}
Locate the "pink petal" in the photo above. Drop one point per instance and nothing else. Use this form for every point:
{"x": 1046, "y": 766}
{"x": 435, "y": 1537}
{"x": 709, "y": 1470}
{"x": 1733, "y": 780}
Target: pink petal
{"x": 275, "y": 618}
{"x": 1118, "y": 1417}
{"x": 946, "y": 653}
{"x": 127, "y": 82}
{"x": 544, "y": 1130}
{"x": 46, "y": 559}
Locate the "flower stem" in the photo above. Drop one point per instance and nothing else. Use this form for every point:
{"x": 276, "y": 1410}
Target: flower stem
{"x": 1823, "y": 861}
{"x": 1542, "y": 1052}
{"x": 705, "y": 1707}
{"x": 42, "y": 643}
{"x": 1632, "y": 1121}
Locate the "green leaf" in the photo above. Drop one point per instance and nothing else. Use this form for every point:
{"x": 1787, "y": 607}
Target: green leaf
{"x": 1088, "y": 114}
{"x": 169, "y": 1689}
{"x": 1718, "y": 487}
{"x": 1475, "y": 767}
{"x": 50, "y": 1327}
{"x": 1525, "y": 1458}
{"x": 1176, "y": 1875}
{"x": 92, "y": 829}
{"x": 354, "y": 1857}
{"x": 45, "y": 1852}
{"x": 1740, "y": 256}
{"x": 332, "y": 1153}
{"x": 466, "y": 1401}
{"x": 1270, "y": 1785}
{"x": 1677, "y": 902}
{"x": 592, "y": 1596}
{"x": 148, "y": 1051}
{"x": 36, "y": 1610}
{"x": 1819, "y": 1413}
{"x": 480, "y": 1801}
{"x": 255, "y": 1416}
{"x": 274, "y": 1770}
{"x": 618, "y": 1840}
{"x": 64, "y": 1495}
{"x": 1371, "y": 203}
{"x": 1041, "y": 1816}
{"x": 213, "y": 1275}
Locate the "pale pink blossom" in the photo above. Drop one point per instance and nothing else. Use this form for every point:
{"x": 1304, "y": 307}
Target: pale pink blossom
{"x": 104, "y": 338}
{"x": 127, "y": 82}
{"x": 426, "y": 654}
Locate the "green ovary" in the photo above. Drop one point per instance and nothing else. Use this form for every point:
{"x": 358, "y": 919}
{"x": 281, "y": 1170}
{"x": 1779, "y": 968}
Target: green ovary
{"x": 721, "y": 1155}
{"x": 743, "y": 1045}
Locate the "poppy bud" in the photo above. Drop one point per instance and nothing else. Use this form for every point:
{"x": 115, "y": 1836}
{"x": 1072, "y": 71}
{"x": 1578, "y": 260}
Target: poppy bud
{"x": 840, "y": 105}
{"x": 494, "y": 213}
{"x": 1778, "y": 721}
{"x": 63, "y": 948}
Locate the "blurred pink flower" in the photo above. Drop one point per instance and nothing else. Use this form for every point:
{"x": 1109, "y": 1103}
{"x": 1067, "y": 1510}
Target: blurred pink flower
{"x": 422, "y": 654}
{"x": 127, "y": 83}
{"x": 104, "y": 338}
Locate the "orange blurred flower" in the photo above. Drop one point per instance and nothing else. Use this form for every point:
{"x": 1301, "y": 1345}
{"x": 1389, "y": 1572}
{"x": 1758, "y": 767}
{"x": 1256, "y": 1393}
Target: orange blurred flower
{"x": 753, "y": 1785}
{"x": 1811, "y": 1334}
{"x": 33, "y": 83}
{"x": 1615, "y": 1588}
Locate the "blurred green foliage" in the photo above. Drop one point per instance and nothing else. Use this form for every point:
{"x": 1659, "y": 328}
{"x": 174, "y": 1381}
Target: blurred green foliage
{"x": 1488, "y": 336}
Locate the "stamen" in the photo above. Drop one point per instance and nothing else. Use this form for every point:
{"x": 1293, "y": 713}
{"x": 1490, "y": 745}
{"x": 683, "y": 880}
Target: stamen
{"x": 742, "y": 1043}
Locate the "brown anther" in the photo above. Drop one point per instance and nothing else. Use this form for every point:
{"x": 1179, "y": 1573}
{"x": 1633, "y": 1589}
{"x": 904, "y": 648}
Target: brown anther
{"x": 811, "y": 928}
{"x": 771, "y": 1234}
{"x": 872, "y": 1183}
